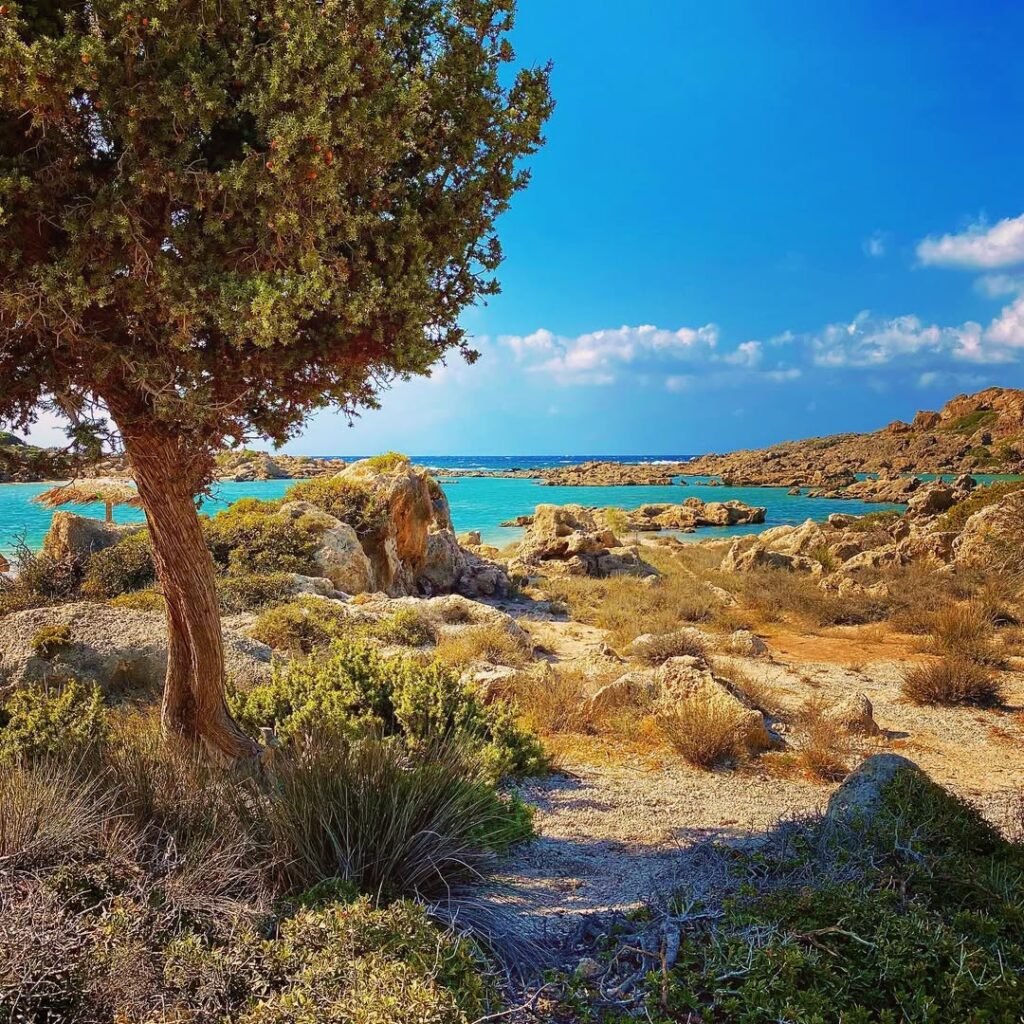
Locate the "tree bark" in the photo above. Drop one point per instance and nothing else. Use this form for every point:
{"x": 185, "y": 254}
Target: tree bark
{"x": 194, "y": 707}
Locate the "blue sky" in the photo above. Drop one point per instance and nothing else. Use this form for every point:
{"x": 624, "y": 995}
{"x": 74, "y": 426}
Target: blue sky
{"x": 752, "y": 220}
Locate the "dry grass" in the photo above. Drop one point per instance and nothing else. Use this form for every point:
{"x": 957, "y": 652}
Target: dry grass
{"x": 627, "y": 607}
{"x": 964, "y": 630}
{"x": 953, "y": 680}
{"x": 757, "y": 692}
{"x": 704, "y": 731}
{"x": 825, "y": 748}
{"x": 555, "y": 701}
{"x": 778, "y": 594}
{"x": 489, "y": 642}
{"x": 657, "y": 648}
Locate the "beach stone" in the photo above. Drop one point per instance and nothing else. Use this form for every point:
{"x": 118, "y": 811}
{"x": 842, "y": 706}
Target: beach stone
{"x": 746, "y": 644}
{"x": 853, "y": 713}
{"x": 636, "y": 688}
{"x": 76, "y": 537}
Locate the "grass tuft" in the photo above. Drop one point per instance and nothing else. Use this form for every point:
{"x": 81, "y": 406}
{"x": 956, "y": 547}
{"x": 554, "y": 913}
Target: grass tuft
{"x": 950, "y": 681}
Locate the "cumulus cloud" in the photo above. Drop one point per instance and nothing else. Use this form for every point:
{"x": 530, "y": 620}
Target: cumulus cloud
{"x": 979, "y": 247}
{"x": 598, "y": 356}
{"x": 747, "y": 354}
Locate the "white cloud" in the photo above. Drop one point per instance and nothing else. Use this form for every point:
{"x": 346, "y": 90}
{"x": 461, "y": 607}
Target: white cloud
{"x": 784, "y": 374}
{"x": 596, "y": 357}
{"x": 1008, "y": 328}
{"x": 746, "y": 354}
{"x": 679, "y": 381}
{"x": 980, "y": 246}
{"x": 998, "y": 286}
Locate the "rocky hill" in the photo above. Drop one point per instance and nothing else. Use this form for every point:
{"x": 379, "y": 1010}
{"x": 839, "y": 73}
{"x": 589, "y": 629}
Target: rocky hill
{"x": 983, "y": 432}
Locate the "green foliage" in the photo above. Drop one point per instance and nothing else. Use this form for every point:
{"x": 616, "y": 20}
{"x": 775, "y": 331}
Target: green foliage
{"x": 873, "y": 521}
{"x": 932, "y": 931}
{"x": 290, "y": 249}
{"x": 121, "y": 568}
{"x": 353, "y": 689}
{"x": 956, "y": 517}
{"x": 973, "y": 421}
{"x": 50, "y": 641}
{"x": 407, "y": 627}
{"x": 251, "y": 591}
{"x": 302, "y": 625}
{"x": 251, "y": 536}
{"x": 389, "y": 820}
{"x": 350, "y": 501}
{"x": 387, "y": 462}
{"x": 140, "y": 601}
{"x": 37, "y": 721}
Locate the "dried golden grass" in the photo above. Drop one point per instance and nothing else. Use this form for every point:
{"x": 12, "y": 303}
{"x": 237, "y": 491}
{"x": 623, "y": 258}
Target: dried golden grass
{"x": 952, "y": 680}
{"x": 704, "y": 731}
{"x": 488, "y": 642}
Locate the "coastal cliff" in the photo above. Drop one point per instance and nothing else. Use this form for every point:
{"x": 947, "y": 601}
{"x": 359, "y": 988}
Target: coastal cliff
{"x": 983, "y": 432}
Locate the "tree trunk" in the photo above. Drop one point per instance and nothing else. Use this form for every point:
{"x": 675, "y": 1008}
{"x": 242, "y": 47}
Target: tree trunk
{"x": 194, "y": 708}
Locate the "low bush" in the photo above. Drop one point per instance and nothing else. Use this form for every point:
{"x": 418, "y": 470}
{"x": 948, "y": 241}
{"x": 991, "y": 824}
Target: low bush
{"x": 351, "y": 501}
{"x": 352, "y": 689}
{"x": 250, "y": 536}
{"x": 388, "y": 462}
{"x": 916, "y": 919}
{"x": 50, "y": 641}
{"x": 964, "y": 630}
{"x": 36, "y": 721}
{"x": 253, "y": 591}
{"x": 390, "y": 820}
{"x": 140, "y": 601}
{"x": 778, "y": 593}
{"x": 704, "y": 731}
{"x": 489, "y": 642}
{"x": 121, "y": 568}
{"x": 554, "y": 701}
{"x": 824, "y": 749}
{"x": 407, "y": 627}
{"x": 37, "y": 580}
{"x": 951, "y": 680}
{"x": 659, "y": 647}
{"x": 302, "y": 625}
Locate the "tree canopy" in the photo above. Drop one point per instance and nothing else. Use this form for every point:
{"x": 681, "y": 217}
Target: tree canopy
{"x": 218, "y": 216}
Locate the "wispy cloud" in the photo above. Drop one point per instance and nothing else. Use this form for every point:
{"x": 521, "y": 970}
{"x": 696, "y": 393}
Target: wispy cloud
{"x": 875, "y": 245}
{"x": 979, "y": 247}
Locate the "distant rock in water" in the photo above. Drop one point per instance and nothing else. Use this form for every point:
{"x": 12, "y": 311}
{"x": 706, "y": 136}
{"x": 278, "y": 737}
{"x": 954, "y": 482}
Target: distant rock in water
{"x": 610, "y": 474}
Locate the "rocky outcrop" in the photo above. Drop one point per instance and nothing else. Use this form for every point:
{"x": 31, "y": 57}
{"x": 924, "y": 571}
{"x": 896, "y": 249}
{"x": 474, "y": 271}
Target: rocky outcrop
{"x": 245, "y": 464}
{"x": 980, "y": 431}
{"x": 74, "y": 538}
{"x": 123, "y": 651}
{"x": 610, "y": 474}
{"x": 568, "y": 540}
{"x": 993, "y": 538}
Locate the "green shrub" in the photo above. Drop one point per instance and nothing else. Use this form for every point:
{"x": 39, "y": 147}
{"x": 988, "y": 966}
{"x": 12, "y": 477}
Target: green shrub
{"x": 38, "y": 580}
{"x": 928, "y": 931}
{"x": 49, "y": 641}
{"x": 955, "y": 518}
{"x": 874, "y": 521}
{"x": 388, "y": 462}
{"x": 52, "y": 719}
{"x": 252, "y": 536}
{"x": 140, "y": 601}
{"x": 351, "y": 501}
{"x": 353, "y": 689}
{"x": 407, "y": 627}
{"x": 390, "y": 821}
{"x": 302, "y": 625}
{"x": 120, "y": 569}
{"x": 253, "y": 591}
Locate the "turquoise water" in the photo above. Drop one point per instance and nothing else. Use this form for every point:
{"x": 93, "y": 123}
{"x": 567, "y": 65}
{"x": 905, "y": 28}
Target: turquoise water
{"x": 477, "y": 503}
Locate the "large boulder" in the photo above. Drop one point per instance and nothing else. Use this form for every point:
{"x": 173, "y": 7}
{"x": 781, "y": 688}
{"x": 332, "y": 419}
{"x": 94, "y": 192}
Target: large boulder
{"x": 340, "y": 556}
{"x": 75, "y": 538}
{"x": 993, "y": 538}
{"x": 744, "y": 557}
{"x": 804, "y": 539}
{"x": 443, "y": 566}
{"x": 859, "y": 797}
{"x": 123, "y": 651}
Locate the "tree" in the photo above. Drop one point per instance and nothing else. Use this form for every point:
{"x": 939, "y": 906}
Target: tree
{"x": 216, "y": 217}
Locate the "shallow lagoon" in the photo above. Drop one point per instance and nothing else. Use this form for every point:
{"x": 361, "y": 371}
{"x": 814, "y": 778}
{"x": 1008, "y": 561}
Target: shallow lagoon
{"x": 477, "y": 503}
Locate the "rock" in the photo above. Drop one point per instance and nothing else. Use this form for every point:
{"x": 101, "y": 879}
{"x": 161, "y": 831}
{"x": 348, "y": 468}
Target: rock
{"x": 610, "y": 474}
{"x": 795, "y": 540}
{"x": 993, "y": 538}
{"x": 745, "y": 644}
{"x": 876, "y": 558}
{"x": 926, "y": 420}
{"x": 937, "y": 545}
{"x": 933, "y": 498}
{"x": 470, "y": 539}
{"x": 853, "y": 713}
{"x": 319, "y": 586}
{"x": 443, "y": 566}
{"x": 123, "y": 651}
{"x": 632, "y": 689}
{"x": 482, "y": 577}
{"x": 680, "y": 679}
{"x": 857, "y": 799}
{"x": 741, "y": 558}
{"x": 840, "y": 520}
{"x": 491, "y": 682}
{"x": 587, "y": 969}
{"x": 340, "y": 556}
{"x": 77, "y": 537}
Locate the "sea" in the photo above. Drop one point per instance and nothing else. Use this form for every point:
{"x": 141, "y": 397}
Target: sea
{"x": 477, "y": 503}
